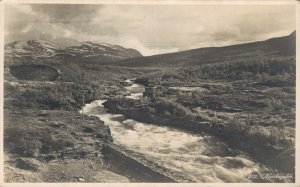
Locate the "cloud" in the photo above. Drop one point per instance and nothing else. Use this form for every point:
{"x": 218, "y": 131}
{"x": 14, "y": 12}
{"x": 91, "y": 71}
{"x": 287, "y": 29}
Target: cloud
{"x": 66, "y": 13}
{"x": 151, "y": 29}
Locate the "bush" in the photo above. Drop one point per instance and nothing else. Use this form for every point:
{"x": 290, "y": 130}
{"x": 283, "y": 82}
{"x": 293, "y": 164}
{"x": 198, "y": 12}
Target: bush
{"x": 170, "y": 107}
{"x": 52, "y": 143}
{"x": 58, "y": 96}
{"x": 32, "y": 142}
{"x": 27, "y": 143}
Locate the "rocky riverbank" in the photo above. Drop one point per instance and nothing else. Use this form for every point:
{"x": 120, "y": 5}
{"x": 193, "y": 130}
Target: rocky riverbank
{"x": 277, "y": 158}
{"x": 66, "y": 148}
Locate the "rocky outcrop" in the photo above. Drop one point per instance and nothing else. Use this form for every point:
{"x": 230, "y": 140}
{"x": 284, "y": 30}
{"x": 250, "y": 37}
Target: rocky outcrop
{"x": 28, "y": 164}
{"x": 123, "y": 164}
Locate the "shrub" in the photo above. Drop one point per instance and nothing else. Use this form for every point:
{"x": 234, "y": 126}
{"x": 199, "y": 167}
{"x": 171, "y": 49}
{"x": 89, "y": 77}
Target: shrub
{"x": 32, "y": 142}
{"x": 58, "y": 96}
{"x": 27, "y": 142}
{"x": 52, "y": 143}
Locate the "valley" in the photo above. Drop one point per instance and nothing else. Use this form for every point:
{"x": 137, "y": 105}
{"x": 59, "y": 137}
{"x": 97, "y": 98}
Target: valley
{"x": 204, "y": 115}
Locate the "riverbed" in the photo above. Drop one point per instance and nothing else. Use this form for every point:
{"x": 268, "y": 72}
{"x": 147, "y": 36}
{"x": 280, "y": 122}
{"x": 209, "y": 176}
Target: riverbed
{"x": 197, "y": 157}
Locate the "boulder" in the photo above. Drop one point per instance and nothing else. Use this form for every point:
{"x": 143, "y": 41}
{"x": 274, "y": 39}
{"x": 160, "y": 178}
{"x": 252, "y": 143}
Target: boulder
{"x": 27, "y": 164}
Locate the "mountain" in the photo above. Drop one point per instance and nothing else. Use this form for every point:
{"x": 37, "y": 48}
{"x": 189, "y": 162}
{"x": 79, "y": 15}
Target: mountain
{"x": 42, "y": 60}
{"x": 85, "y": 51}
{"x": 34, "y": 48}
{"x": 281, "y": 46}
{"x": 99, "y": 52}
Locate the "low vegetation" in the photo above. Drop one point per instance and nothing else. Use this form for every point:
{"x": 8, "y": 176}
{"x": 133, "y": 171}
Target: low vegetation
{"x": 248, "y": 104}
{"x": 32, "y": 142}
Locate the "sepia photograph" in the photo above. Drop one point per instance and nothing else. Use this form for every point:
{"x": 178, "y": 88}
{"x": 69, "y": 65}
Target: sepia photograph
{"x": 149, "y": 92}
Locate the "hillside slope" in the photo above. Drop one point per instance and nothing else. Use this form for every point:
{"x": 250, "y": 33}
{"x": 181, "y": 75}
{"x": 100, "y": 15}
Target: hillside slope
{"x": 281, "y": 46}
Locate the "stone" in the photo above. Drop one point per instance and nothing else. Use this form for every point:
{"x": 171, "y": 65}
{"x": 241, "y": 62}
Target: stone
{"x": 27, "y": 164}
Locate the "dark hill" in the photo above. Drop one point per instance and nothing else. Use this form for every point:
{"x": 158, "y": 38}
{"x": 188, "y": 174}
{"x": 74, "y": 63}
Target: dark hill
{"x": 281, "y": 46}
{"x": 34, "y": 72}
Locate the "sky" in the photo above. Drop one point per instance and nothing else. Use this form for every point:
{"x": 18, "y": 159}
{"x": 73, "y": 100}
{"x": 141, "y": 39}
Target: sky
{"x": 151, "y": 29}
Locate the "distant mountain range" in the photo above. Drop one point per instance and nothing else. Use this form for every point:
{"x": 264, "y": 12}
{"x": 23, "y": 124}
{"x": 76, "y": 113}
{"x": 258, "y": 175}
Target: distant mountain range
{"x": 281, "y": 46}
{"x": 102, "y": 53}
{"x": 84, "y": 50}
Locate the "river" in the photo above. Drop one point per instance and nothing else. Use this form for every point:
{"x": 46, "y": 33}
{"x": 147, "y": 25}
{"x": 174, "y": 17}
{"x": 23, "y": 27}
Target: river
{"x": 198, "y": 157}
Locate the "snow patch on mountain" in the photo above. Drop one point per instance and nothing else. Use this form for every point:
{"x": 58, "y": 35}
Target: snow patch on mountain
{"x": 91, "y": 51}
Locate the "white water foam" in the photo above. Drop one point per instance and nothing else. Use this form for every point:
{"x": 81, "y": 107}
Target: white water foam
{"x": 191, "y": 155}
{"x": 201, "y": 158}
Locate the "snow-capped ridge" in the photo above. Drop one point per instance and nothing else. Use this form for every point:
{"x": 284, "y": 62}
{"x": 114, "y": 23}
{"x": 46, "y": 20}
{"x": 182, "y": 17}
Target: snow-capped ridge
{"x": 31, "y": 47}
{"x": 86, "y": 50}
